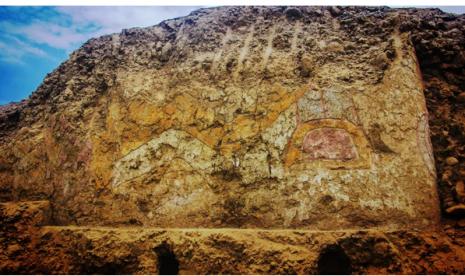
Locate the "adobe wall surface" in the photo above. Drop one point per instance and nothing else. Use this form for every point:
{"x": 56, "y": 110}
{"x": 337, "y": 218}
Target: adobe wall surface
{"x": 244, "y": 140}
{"x": 257, "y": 117}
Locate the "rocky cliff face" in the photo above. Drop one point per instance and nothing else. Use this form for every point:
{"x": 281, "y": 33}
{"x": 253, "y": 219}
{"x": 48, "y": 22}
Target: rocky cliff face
{"x": 309, "y": 118}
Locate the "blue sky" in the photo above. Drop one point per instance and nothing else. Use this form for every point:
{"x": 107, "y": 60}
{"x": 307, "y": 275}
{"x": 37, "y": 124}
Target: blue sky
{"x": 35, "y": 40}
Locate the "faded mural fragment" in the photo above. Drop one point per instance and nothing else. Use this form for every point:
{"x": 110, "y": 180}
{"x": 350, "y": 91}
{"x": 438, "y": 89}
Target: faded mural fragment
{"x": 259, "y": 121}
{"x": 244, "y": 140}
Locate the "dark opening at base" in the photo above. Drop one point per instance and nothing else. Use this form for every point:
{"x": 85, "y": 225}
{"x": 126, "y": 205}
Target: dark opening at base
{"x": 167, "y": 262}
{"x": 334, "y": 261}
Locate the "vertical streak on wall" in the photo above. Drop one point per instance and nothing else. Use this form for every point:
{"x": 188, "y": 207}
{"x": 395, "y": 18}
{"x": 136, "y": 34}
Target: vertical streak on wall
{"x": 269, "y": 48}
{"x": 244, "y": 51}
{"x": 218, "y": 55}
{"x": 295, "y": 37}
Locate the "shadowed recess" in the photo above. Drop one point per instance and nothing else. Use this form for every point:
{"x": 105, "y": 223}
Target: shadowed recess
{"x": 167, "y": 262}
{"x": 334, "y": 261}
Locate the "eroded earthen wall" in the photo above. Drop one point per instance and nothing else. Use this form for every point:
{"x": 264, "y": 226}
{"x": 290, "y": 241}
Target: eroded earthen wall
{"x": 256, "y": 117}
{"x": 261, "y": 117}
{"x": 439, "y": 42}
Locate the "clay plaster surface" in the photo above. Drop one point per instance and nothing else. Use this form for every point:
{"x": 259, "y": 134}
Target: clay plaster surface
{"x": 250, "y": 142}
{"x": 267, "y": 122}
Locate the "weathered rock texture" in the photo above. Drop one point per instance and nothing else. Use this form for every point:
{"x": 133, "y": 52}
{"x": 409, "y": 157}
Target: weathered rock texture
{"x": 308, "y": 118}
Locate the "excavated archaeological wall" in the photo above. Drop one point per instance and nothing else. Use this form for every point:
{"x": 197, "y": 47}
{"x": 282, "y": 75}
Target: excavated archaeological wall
{"x": 251, "y": 118}
{"x": 244, "y": 140}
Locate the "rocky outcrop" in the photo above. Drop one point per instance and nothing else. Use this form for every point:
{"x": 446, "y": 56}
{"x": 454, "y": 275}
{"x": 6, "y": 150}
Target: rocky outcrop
{"x": 264, "y": 118}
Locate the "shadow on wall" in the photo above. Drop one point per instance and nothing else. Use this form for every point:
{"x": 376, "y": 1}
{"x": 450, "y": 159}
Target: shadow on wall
{"x": 334, "y": 261}
{"x": 168, "y": 264}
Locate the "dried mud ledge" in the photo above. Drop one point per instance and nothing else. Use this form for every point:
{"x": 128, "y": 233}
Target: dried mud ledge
{"x": 33, "y": 247}
{"x": 31, "y": 244}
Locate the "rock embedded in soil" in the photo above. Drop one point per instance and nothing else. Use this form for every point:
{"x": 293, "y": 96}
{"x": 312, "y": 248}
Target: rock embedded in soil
{"x": 451, "y": 161}
{"x": 461, "y": 97}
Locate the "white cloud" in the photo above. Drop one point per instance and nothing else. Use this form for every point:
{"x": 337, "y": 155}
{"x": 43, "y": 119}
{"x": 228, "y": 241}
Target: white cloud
{"x": 107, "y": 20}
{"x": 29, "y": 48}
{"x": 52, "y": 34}
{"x": 41, "y": 32}
{"x": 9, "y": 55}
{"x": 15, "y": 50}
{"x": 88, "y": 22}
{"x": 113, "y": 19}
